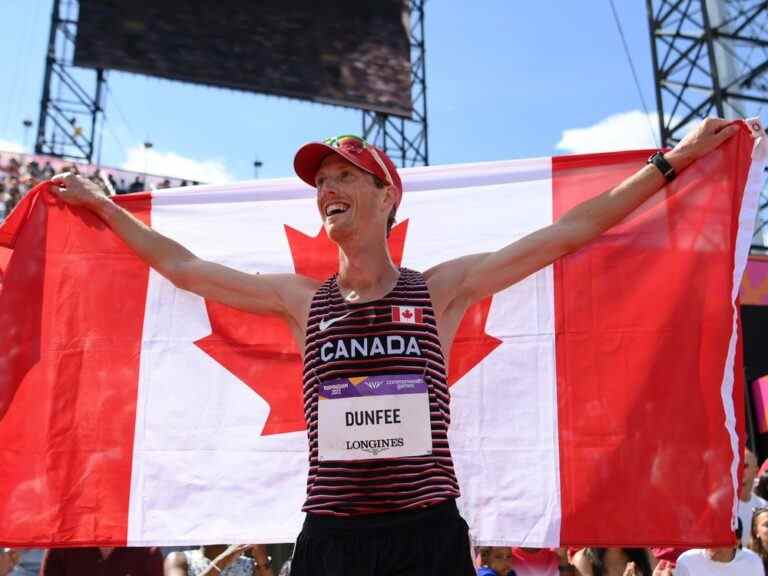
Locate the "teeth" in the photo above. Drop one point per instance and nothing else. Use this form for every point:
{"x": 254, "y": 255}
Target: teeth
{"x": 335, "y": 208}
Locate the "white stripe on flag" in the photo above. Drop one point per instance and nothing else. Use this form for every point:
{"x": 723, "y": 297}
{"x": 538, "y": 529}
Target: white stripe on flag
{"x": 749, "y": 204}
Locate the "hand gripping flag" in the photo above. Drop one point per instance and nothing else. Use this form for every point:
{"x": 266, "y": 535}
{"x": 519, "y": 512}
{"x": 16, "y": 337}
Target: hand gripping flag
{"x": 597, "y": 402}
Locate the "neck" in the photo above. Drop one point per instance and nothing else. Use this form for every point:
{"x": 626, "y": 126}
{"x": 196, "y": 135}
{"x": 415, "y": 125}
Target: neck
{"x": 721, "y": 554}
{"x": 366, "y": 272}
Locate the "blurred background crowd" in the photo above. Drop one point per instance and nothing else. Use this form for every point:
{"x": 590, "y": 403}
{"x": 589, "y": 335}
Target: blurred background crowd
{"x": 19, "y": 173}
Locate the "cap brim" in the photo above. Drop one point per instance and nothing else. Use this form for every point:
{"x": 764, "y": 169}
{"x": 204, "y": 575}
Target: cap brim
{"x": 309, "y": 157}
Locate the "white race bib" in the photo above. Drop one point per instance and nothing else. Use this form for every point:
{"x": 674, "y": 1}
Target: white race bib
{"x": 384, "y": 416}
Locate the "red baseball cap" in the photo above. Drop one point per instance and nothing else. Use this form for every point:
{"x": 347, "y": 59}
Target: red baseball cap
{"x": 354, "y": 149}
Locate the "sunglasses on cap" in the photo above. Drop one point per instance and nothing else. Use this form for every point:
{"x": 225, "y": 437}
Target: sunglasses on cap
{"x": 355, "y": 145}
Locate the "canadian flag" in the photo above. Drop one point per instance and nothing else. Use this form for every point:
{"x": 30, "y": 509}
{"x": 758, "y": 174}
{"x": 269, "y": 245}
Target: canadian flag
{"x": 406, "y": 314}
{"x": 597, "y": 402}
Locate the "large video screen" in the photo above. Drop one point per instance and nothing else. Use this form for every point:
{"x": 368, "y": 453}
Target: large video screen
{"x": 346, "y": 52}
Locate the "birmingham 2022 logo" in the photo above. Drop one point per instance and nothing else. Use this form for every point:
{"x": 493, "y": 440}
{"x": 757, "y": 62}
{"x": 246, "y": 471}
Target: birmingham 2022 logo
{"x": 260, "y": 350}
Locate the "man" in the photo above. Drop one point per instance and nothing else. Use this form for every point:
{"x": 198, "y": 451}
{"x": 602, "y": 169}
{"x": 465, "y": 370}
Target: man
{"x": 373, "y": 512}
{"x": 102, "y": 562}
{"x": 748, "y": 500}
{"x": 727, "y": 561}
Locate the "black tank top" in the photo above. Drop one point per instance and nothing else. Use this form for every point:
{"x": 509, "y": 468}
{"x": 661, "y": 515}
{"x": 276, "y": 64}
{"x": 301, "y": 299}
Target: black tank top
{"x": 348, "y": 488}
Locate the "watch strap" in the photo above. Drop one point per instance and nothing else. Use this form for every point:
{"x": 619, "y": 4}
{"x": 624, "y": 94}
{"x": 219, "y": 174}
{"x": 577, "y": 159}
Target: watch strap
{"x": 663, "y": 165}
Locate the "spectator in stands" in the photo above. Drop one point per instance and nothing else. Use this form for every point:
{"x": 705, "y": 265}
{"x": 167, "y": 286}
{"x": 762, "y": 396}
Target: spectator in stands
{"x": 605, "y": 561}
{"x": 13, "y": 197}
{"x": 748, "y": 500}
{"x": 495, "y": 561}
{"x": 758, "y": 541}
{"x": 34, "y": 170}
{"x": 48, "y": 170}
{"x": 137, "y": 185}
{"x": 220, "y": 559}
{"x": 164, "y": 184}
{"x": 9, "y": 558}
{"x": 13, "y": 168}
{"x": 113, "y": 182}
{"x": 728, "y": 561}
{"x": 102, "y": 561}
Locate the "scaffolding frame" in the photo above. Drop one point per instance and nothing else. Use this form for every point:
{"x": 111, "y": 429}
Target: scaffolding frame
{"x": 71, "y": 113}
{"x": 405, "y": 140}
{"x": 710, "y": 58}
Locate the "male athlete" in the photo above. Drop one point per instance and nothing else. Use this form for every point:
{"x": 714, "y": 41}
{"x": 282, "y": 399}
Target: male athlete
{"x": 376, "y": 341}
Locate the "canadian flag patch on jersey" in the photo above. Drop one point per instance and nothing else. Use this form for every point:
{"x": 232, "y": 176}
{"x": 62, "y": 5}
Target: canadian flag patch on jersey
{"x": 407, "y": 314}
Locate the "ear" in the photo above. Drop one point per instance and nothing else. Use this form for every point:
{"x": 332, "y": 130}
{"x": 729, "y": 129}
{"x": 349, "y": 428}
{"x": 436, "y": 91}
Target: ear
{"x": 390, "y": 196}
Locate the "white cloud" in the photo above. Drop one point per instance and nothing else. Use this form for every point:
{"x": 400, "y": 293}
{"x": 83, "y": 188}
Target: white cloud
{"x": 624, "y": 131}
{"x": 212, "y": 171}
{"x": 11, "y": 146}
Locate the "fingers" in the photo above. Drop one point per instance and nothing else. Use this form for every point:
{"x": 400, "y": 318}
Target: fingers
{"x": 62, "y": 178}
{"x": 713, "y": 125}
{"x": 726, "y": 132}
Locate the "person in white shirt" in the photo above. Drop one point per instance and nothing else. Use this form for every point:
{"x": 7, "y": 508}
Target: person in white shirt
{"x": 748, "y": 500}
{"x": 719, "y": 562}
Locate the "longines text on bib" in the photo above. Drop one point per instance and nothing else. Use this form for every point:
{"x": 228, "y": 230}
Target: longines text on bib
{"x": 384, "y": 416}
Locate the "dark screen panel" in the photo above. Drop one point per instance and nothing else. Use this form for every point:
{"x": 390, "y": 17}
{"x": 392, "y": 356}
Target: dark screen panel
{"x": 754, "y": 328}
{"x": 344, "y": 52}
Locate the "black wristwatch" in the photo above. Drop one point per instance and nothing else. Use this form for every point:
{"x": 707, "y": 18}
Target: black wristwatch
{"x": 664, "y": 167}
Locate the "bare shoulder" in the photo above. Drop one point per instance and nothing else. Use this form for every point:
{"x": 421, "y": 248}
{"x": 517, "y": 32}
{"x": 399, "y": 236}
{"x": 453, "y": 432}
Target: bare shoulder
{"x": 298, "y": 291}
{"x": 445, "y": 280}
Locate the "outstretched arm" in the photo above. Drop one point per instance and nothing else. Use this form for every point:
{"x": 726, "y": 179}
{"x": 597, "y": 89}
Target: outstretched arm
{"x": 456, "y": 284}
{"x": 284, "y": 294}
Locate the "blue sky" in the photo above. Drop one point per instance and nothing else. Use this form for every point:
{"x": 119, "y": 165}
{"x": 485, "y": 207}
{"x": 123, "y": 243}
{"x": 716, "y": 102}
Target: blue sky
{"x": 505, "y": 79}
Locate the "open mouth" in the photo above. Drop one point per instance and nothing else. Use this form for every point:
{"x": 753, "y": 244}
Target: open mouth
{"x": 335, "y": 208}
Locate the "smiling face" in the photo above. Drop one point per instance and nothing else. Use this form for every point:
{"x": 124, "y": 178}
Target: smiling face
{"x": 350, "y": 203}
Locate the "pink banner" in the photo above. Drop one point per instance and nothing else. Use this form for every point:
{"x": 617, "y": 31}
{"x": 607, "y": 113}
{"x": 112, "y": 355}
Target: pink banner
{"x": 754, "y": 286}
{"x": 760, "y": 398}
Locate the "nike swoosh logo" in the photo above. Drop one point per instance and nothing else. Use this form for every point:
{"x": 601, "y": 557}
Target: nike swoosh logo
{"x": 324, "y": 324}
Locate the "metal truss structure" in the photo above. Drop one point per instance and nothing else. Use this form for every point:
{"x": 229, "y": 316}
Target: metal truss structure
{"x": 710, "y": 58}
{"x": 69, "y": 112}
{"x": 405, "y": 140}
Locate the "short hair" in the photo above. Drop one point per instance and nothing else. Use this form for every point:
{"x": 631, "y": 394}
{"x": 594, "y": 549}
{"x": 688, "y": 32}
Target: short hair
{"x": 379, "y": 183}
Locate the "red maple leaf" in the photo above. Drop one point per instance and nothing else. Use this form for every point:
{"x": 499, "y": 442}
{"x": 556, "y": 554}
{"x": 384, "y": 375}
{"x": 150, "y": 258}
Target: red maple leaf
{"x": 260, "y": 350}
{"x": 407, "y": 314}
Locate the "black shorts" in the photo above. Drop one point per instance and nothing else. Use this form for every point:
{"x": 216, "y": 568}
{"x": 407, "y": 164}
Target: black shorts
{"x": 429, "y": 542}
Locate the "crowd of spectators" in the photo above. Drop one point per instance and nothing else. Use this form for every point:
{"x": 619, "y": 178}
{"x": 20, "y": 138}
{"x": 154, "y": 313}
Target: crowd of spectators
{"x": 20, "y": 173}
